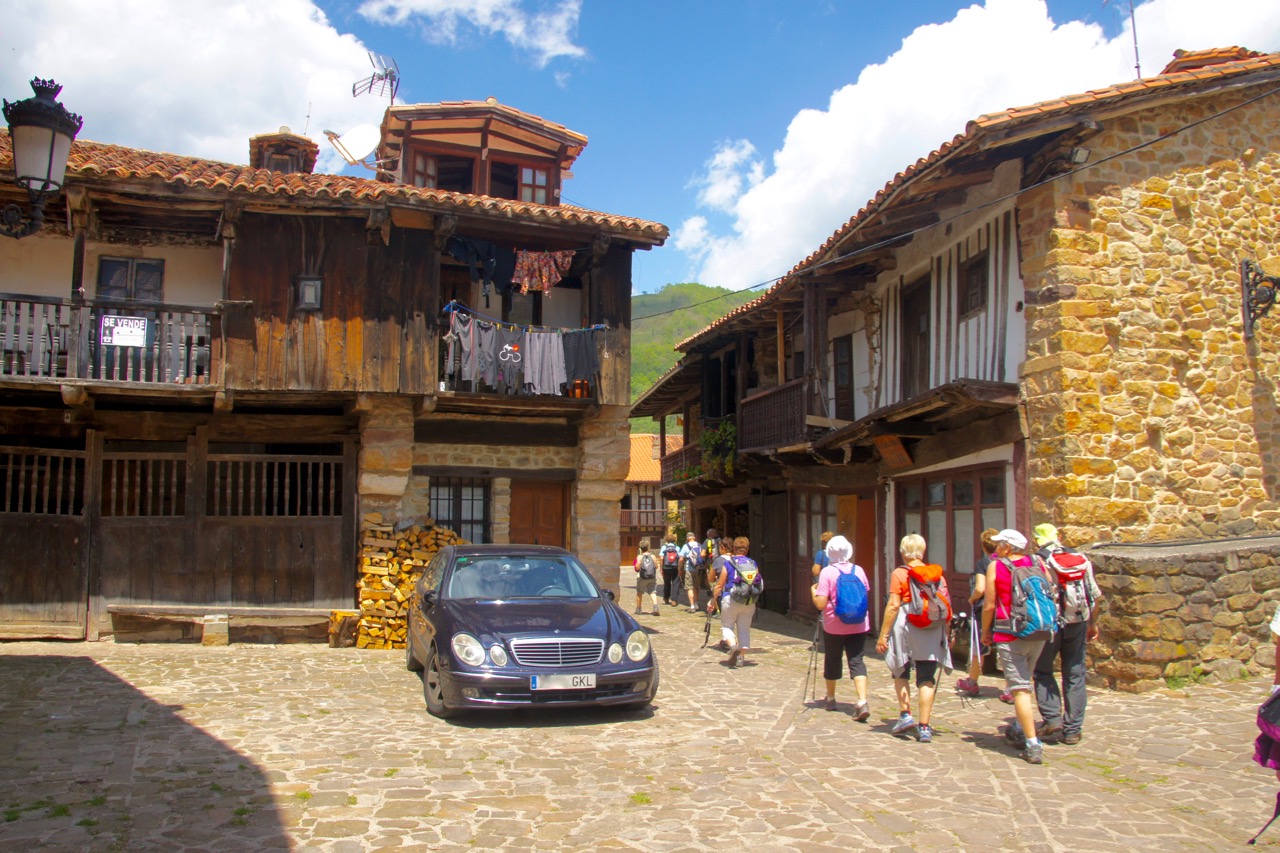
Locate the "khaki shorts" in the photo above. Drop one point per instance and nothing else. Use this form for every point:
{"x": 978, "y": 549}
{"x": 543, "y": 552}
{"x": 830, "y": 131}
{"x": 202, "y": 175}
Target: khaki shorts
{"x": 1018, "y": 660}
{"x": 691, "y": 578}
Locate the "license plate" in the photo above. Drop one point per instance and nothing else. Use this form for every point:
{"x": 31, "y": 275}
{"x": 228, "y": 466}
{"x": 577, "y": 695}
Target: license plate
{"x": 583, "y": 681}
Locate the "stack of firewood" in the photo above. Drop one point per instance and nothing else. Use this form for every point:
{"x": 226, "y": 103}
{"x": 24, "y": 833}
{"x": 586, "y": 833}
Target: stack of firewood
{"x": 391, "y": 562}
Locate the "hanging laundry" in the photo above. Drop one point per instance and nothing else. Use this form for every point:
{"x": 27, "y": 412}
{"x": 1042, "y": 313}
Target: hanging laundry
{"x": 544, "y": 362}
{"x": 541, "y": 271}
{"x": 462, "y": 358}
{"x": 581, "y": 358}
{"x": 510, "y": 355}
{"x": 486, "y": 263}
{"x": 486, "y": 339}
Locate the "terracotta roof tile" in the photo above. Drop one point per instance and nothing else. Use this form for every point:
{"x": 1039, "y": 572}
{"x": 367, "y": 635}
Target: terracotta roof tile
{"x": 644, "y": 468}
{"x": 1189, "y": 79}
{"x": 93, "y": 160}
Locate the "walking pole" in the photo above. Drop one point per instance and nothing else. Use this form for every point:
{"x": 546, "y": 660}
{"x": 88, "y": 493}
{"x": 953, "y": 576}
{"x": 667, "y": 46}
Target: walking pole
{"x": 811, "y": 674}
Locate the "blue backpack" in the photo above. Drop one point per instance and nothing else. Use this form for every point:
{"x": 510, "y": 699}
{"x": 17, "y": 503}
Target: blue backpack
{"x": 1033, "y": 607}
{"x": 851, "y": 598}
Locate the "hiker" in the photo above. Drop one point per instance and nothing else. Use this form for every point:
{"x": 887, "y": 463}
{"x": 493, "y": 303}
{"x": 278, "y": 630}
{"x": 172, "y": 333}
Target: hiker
{"x": 1078, "y": 601}
{"x": 914, "y": 634}
{"x": 1018, "y": 655}
{"x": 646, "y": 567}
{"x": 713, "y": 575}
{"x": 820, "y": 558}
{"x": 669, "y": 559}
{"x": 690, "y": 559}
{"x": 737, "y": 589}
{"x": 977, "y": 590}
{"x": 843, "y": 595}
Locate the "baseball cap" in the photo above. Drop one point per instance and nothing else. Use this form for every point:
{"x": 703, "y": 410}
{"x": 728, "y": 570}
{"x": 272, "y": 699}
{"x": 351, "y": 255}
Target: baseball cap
{"x": 1044, "y": 534}
{"x": 1012, "y": 537}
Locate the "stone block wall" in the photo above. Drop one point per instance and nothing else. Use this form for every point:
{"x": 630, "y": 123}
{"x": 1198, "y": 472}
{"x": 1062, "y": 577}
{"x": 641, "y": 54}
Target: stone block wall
{"x": 1185, "y": 610}
{"x": 604, "y": 457}
{"x": 1149, "y": 416}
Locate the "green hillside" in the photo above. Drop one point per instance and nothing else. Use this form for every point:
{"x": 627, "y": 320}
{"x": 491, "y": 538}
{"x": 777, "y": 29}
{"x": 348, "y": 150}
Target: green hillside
{"x": 661, "y": 320}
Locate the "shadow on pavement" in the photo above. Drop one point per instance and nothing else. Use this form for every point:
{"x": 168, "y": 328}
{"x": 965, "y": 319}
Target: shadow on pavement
{"x": 89, "y": 762}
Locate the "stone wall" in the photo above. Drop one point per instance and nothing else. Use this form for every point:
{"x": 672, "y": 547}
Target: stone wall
{"x": 1149, "y": 417}
{"x": 1190, "y": 610}
{"x": 604, "y": 457}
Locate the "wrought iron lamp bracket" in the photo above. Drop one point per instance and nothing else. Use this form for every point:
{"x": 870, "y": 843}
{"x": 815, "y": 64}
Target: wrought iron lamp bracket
{"x": 1258, "y": 292}
{"x": 14, "y": 223}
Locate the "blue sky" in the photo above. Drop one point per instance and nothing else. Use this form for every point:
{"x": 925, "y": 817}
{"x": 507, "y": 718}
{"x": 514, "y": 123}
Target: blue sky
{"x": 751, "y": 129}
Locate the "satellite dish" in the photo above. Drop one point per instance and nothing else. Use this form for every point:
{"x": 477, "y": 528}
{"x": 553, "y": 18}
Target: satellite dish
{"x": 356, "y": 144}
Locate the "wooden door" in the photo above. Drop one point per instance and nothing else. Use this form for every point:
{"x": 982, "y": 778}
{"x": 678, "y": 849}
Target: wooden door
{"x": 43, "y": 570}
{"x": 916, "y": 324}
{"x": 770, "y": 532}
{"x": 538, "y": 514}
{"x": 842, "y": 357}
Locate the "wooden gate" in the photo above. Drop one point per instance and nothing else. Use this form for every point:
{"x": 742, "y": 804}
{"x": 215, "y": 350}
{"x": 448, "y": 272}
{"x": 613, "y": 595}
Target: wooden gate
{"x": 43, "y": 565}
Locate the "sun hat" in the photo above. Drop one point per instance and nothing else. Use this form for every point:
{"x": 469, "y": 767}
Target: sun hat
{"x": 1044, "y": 534}
{"x": 1011, "y": 537}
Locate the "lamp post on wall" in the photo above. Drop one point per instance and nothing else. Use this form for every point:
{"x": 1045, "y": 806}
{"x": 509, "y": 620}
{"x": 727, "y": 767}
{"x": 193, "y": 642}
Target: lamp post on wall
{"x": 40, "y": 132}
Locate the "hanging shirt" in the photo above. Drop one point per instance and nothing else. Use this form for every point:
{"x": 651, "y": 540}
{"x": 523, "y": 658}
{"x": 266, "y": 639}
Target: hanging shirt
{"x": 581, "y": 358}
{"x": 540, "y": 271}
{"x": 510, "y": 348}
{"x": 487, "y": 356}
{"x": 544, "y": 362}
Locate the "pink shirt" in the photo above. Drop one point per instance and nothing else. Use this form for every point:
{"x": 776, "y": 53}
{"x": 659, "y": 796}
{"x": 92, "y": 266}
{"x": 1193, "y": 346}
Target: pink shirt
{"x": 1004, "y": 594}
{"x": 827, "y": 582}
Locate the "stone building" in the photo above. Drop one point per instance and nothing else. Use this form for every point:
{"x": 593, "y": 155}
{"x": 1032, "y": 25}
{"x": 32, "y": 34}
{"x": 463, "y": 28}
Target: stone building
{"x": 1042, "y": 320}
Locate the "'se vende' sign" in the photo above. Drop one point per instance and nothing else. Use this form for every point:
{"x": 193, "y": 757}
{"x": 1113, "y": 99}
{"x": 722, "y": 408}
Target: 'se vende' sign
{"x": 123, "y": 332}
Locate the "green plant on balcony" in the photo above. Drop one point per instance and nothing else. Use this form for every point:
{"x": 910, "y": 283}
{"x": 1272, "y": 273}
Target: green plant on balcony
{"x": 719, "y": 446}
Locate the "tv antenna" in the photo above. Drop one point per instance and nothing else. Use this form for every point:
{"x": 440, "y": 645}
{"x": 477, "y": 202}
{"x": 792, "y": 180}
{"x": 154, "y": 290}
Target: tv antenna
{"x": 385, "y": 79}
{"x": 1133, "y": 26}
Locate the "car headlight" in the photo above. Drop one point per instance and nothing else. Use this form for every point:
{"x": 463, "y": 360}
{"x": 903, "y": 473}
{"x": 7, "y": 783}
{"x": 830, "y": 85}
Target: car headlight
{"x": 498, "y": 655}
{"x": 638, "y": 645}
{"x": 615, "y": 653}
{"x": 468, "y": 649}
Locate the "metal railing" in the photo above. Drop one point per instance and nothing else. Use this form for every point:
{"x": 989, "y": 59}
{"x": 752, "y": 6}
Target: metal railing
{"x": 48, "y": 338}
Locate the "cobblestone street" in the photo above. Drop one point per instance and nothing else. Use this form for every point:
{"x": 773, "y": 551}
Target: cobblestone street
{"x": 181, "y": 747}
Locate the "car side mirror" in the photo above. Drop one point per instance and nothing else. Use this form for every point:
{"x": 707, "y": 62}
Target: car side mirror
{"x": 428, "y": 599}
{"x": 609, "y": 595}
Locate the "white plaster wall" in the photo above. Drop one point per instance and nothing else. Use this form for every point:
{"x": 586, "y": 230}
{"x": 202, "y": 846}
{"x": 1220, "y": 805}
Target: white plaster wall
{"x": 36, "y": 266}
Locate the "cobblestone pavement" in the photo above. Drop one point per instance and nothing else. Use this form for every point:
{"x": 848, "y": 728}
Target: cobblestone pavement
{"x": 180, "y": 747}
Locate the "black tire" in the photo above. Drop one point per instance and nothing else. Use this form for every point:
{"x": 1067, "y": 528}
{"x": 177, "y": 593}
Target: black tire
{"x": 411, "y": 661}
{"x": 432, "y": 688}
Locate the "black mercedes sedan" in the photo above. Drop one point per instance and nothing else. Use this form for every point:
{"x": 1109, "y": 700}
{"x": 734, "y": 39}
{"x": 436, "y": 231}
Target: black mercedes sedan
{"x": 508, "y": 626}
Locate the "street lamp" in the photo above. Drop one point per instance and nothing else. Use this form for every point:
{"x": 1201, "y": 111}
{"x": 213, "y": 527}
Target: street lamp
{"x": 40, "y": 131}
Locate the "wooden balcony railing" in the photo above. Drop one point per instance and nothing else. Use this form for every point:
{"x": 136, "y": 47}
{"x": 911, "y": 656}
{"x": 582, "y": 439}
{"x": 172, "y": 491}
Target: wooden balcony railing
{"x": 774, "y": 418}
{"x": 644, "y": 519}
{"x": 684, "y": 464}
{"x": 46, "y": 338}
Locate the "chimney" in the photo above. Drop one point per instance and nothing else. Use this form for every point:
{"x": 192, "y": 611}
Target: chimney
{"x": 283, "y": 151}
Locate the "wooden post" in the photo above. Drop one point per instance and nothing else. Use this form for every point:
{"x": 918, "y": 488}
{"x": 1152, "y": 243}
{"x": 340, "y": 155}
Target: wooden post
{"x": 97, "y": 608}
{"x": 782, "y": 348}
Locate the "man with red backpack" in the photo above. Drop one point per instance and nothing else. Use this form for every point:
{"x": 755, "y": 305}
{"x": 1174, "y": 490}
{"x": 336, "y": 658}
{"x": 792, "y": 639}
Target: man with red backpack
{"x": 1078, "y": 600}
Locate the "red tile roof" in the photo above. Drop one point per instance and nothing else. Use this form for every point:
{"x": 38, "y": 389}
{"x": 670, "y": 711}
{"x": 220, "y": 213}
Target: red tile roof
{"x": 1131, "y": 94}
{"x": 95, "y": 161}
{"x": 644, "y": 468}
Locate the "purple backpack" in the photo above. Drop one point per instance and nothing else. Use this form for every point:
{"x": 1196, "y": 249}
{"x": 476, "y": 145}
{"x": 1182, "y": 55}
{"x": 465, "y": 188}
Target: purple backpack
{"x": 1266, "y": 749}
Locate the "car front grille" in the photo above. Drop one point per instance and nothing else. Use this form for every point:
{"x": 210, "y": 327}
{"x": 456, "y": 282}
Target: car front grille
{"x": 551, "y": 652}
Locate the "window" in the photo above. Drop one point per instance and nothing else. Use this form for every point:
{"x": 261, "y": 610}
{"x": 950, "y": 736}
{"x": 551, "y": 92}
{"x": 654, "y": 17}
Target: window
{"x": 441, "y": 172}
{"x": 533, "y": 185}
{"x": 915, "y": 338}
{"x": 137, "y": 279}
{"x": 462, "y": 505}
{"x": 973, "y": 285}
{"x": 814, "y": 514}
{"x": 951, "y": 509}
{"x": 842, "y": 358}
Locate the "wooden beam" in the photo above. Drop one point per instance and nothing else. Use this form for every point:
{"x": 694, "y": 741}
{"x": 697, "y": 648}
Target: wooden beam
{"x": 76, "y": 396}
{"x": 223, "y": 401}
{"x": 425, "y": 405}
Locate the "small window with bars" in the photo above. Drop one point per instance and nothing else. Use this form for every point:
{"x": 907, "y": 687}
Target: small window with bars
{"x": 462, "y": 505}
{"x": 41, "y": 481}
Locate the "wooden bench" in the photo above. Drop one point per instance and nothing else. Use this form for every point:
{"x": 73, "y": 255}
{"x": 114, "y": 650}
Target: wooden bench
{"x": 216, "y": 621}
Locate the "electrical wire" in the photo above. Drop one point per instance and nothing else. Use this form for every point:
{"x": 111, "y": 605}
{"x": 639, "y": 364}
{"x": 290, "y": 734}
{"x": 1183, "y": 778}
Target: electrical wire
{"x": 1001, "y": 200}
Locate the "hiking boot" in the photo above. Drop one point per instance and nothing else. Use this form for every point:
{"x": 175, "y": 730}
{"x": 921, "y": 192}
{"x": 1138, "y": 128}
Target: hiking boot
{"x": 861, "y": 712}
{"x": 1071, "y": 738}
{"x": 967, "y": 687}
{"x": 829, "y": 704}
{"x": 924, "y": 734}
{"x": 637, "y": 611}
{"x": 1006, "y": 697}
{"x": 656, "y": 613}
{"x": 1048, "y": 728}
{"x": 903, "y": 726}
{"x": 733, "y": 657}
{"x": 1014, "y": 737}
{"x": 1033, "y": 753}
{"x": 694, "y": 610}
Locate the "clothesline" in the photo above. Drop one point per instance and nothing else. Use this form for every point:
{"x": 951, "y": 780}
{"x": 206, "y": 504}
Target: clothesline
{"x": 455, "y": 305}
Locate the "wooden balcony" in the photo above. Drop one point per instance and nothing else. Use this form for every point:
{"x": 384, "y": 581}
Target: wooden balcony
{"x": 643, "y": 519}
{"x": 47, "y": 339}
{"x": 774, "y": 418}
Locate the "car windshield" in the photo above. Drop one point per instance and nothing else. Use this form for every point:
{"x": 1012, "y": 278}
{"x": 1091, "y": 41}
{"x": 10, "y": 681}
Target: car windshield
{"x": 496, "y": 577}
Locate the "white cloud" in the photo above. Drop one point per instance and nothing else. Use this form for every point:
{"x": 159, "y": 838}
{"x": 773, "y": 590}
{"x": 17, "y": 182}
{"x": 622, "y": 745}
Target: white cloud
{"x": 987, "y": 58}
{"x": 158, "y": 75}
{"x": 546, "y": 35}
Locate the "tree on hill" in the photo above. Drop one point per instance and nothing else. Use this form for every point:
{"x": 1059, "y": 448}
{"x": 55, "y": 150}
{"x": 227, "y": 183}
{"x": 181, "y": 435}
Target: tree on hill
{"x": 661, "y": 320}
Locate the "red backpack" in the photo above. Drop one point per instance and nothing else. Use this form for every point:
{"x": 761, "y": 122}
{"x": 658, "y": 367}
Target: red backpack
{"x": 926, "y": 604}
